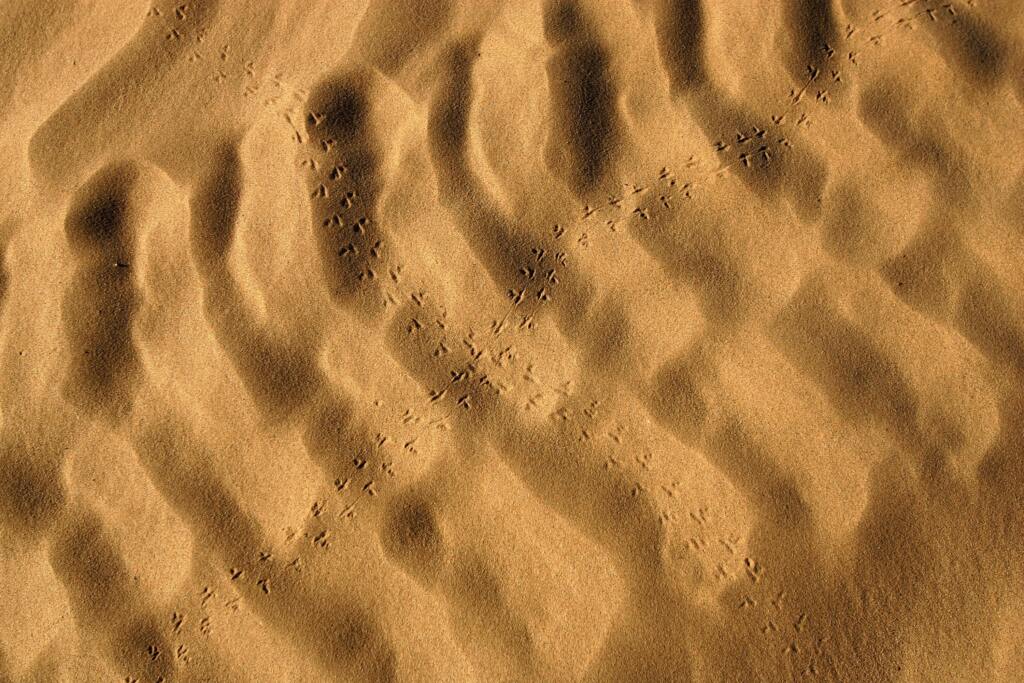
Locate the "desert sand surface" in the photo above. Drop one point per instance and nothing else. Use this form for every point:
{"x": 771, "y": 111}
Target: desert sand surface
{"x": 523, "y": 340}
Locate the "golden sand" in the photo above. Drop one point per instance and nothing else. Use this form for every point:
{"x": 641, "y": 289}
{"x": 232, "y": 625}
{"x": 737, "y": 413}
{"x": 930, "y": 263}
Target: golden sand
{"x": 535, "y": 340}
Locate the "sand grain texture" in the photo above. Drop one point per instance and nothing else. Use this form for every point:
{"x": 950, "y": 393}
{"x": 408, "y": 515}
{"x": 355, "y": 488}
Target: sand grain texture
{"x": 546, "y": 340}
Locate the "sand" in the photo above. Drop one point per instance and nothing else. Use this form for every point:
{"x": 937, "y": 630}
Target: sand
{"x": 535, "y": 340}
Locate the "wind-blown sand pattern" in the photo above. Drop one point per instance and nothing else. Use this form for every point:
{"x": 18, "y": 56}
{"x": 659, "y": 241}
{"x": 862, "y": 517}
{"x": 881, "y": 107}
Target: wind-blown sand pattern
{"x": 554, "y": 340}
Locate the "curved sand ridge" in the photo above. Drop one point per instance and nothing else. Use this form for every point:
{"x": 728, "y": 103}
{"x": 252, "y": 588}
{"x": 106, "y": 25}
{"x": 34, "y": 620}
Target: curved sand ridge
{"x": 667, "y": 340}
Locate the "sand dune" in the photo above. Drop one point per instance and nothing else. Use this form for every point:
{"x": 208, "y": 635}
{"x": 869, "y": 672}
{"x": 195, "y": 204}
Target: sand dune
{"x": 567, "y": 340}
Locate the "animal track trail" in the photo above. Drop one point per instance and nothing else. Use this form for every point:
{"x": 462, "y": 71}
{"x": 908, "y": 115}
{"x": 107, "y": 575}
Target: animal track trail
{"x": 755, "y": 150}
{"x": 480, "y": 408}
{"x": 424, "y": 339}
{"x": 279, "y": 592}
